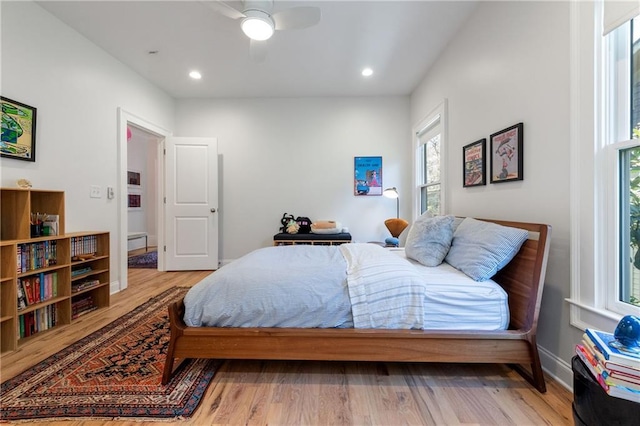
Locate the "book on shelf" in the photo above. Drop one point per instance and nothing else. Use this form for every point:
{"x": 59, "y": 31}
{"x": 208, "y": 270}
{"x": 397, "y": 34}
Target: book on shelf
{"x": 27, "y": 285}
{"x": 82, "y": 306}
{"x": 36, "y": 321}
{"x": 81, "y": 271}
{"x": 602, "y": 341}
{"x": 22, "y": 298}
{"x": 79, "y": 286}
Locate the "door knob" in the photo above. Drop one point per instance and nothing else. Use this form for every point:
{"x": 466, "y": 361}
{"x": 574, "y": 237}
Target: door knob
{"x": 213, "y": 210}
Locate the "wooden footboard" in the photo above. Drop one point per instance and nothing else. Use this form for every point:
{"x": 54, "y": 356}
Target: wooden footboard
{"x": 522, "y": 279}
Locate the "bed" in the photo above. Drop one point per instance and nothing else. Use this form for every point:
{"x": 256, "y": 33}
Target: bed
{"x": 522, "y": 280}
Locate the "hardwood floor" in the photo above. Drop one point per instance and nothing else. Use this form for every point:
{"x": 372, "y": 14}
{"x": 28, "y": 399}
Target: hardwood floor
{"x": 306, "y": 393}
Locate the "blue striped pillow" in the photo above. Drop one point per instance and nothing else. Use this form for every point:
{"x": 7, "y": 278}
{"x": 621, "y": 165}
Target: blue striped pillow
{"x": 480, "y": 249}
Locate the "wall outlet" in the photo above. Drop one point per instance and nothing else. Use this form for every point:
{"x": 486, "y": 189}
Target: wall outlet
{"x": 96, "y": 192}
{"x": 110, "y": 193}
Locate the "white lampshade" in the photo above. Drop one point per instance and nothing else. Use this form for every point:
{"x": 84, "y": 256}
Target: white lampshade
{"x": 390, "y": 192}
{"x": 258, "y": 25}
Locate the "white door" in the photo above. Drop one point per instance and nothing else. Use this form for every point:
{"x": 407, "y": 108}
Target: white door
{"x": 191, "y": 190}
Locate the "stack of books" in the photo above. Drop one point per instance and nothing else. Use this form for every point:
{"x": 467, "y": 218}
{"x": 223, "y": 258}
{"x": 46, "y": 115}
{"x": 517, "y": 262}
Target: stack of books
{"x": 618, "y": 372}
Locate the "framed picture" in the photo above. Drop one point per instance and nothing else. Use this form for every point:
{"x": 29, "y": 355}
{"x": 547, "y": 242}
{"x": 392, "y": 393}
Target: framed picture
{"x": 473, "y": 163}
{"x": 135, "y": 201}
{"x": 133, "y": 178}
{"x": 18, "y": 130}
{"x": 367, "y": 176}
{"x": 506, "y": 154}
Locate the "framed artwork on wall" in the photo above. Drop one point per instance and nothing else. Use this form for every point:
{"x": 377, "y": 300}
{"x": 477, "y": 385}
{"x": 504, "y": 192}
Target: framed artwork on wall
{"x": 473, "y": 163}
{"x": 135, "y": 201}
{"x": 18, "y": 130}
{"x": 134, "y": 178}
{"x": 506, "y": 154}
{"x": 367, "y": 176}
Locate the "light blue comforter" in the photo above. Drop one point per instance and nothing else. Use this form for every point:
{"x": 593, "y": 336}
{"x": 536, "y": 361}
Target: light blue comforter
{"x": 283, "y": 286}
{"x": 351, "y": 285}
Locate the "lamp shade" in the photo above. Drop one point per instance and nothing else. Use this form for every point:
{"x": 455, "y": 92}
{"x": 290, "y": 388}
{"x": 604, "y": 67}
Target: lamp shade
{"x": 390, "y": 192}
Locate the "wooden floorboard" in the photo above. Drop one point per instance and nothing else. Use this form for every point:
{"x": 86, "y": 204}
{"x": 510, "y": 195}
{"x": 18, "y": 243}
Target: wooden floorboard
{"x": 309, "y": 393}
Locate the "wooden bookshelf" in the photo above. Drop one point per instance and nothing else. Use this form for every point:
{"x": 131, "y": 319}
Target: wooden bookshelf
{"x": 49, "y": 261}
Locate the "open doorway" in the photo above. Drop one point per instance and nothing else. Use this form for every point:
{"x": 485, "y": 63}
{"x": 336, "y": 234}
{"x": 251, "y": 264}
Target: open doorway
{"x": 141, "y": 172}
{"x": 142, "y": 183}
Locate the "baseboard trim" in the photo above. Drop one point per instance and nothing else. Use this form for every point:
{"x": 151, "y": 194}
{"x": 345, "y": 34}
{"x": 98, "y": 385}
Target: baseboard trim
{"x": 556, "y": 368}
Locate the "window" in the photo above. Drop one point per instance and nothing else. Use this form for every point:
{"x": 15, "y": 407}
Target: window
{"x": 621, "y": 167}
{"x": 429, "y": 150}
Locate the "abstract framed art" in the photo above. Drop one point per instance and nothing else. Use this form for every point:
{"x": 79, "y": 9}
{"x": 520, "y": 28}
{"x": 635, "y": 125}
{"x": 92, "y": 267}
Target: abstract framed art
{"x": 506, "y": 154}
{"x": 18, "y": 139}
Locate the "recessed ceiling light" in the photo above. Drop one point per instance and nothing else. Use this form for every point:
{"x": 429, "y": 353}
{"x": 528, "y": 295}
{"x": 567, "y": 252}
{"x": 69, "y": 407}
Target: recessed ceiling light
{"x": 195, "y": 75}
{"x": 367, "y": 72}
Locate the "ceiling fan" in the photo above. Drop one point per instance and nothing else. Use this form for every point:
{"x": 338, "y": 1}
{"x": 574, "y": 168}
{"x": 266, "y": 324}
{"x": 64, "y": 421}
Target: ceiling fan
{"x": 259, "y": 23}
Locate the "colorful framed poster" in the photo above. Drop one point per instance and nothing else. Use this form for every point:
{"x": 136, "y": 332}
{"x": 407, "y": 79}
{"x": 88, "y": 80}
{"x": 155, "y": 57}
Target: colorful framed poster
{"x": 506, "y": 154}
{"x": 473, "y": 163}
{"x": 18, "y": 139}
{"x": 367, "y": 176}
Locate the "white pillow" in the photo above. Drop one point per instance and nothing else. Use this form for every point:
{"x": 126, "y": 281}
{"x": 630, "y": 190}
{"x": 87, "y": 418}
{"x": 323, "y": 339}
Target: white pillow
{"x": 480, "y": 249}
{"x": 429, "y": 239}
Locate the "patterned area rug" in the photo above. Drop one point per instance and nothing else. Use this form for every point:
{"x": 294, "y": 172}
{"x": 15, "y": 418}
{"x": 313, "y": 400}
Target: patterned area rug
{"x": 113, "y": 373}
{"x": 146, "y": 260}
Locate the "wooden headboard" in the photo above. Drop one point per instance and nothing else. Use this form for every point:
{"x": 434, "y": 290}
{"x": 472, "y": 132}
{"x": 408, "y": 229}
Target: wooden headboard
{"x": 523, "y": 278}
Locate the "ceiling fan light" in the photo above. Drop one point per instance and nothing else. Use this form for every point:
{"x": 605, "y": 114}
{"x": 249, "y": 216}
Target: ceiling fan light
{"x": 258, "y": 25}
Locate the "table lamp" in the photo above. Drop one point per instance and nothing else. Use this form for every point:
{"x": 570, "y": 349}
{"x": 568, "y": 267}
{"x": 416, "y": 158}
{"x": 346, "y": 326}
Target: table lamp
{"x": 397, "y": 225}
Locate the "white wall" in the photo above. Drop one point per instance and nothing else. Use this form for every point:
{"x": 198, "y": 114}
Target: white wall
{"x": 77, "y": 89}
{"x": 297, "y": 156}
{"x": 510, "y": 64}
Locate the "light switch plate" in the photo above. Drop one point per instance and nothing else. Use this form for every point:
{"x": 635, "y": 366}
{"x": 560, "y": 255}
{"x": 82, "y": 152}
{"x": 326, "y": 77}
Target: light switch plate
{"x": 96, "y": 192}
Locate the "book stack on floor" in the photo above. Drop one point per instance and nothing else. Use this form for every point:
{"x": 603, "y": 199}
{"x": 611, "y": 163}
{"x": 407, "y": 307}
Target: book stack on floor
{"x": 617, "y": 372}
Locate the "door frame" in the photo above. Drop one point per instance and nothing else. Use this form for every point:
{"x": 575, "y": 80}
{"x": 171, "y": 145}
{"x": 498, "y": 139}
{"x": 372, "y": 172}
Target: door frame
{"x": 126, "y": 118}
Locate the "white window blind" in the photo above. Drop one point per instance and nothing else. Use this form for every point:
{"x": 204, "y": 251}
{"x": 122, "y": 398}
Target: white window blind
{"x": 617, "y": 12}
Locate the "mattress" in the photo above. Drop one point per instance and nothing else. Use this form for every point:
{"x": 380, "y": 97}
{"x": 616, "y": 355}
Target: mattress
{"x": 453, "y": 301}
{"x": 309, "y": 287}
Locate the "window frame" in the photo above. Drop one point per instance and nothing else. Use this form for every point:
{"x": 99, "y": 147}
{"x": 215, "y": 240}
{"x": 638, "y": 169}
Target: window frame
{"x": 595, "y": 189}
{"x": 616, "y": 137}
{"x": 432, "y": 124}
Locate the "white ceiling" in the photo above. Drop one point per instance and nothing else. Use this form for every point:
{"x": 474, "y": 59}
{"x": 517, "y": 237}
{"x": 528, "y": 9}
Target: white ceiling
{"x": 399, "y": 40}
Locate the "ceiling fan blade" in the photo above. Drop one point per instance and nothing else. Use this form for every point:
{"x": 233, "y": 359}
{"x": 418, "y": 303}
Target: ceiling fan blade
{"x": 297, "y": 18}
{"x": 258, "y": 50}
{"x": 224, "y": 9}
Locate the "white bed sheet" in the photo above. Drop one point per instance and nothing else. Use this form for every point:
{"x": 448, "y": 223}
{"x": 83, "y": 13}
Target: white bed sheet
{"x": 454, "y": 301}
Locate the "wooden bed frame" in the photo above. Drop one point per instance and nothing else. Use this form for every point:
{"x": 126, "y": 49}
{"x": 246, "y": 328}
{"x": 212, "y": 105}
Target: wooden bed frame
{"x": 522, "y": 279}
